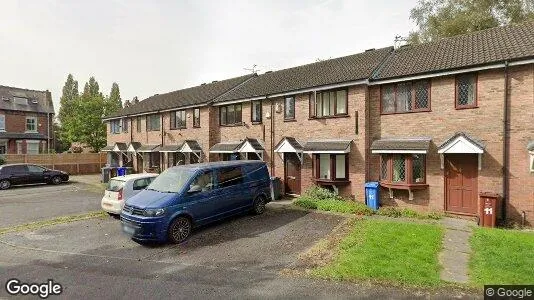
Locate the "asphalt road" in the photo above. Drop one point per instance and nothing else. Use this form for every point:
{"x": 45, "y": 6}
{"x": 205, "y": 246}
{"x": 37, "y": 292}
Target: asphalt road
{"x": 237, "y": 258}
{"x": 24, "y": 204}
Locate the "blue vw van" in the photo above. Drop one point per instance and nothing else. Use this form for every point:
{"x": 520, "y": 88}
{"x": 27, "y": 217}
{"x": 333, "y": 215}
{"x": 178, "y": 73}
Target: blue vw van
{"x": 187, "y": 196}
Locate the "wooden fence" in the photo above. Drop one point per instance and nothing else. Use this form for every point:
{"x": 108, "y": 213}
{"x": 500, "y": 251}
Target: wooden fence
{"x": 73, "y": 163}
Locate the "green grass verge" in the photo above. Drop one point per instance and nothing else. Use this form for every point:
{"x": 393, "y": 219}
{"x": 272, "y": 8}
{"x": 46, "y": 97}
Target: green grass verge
{"x": 501, "y": 256}
{"x": 334, "y": 205}
{"x": 394, "y": 252}
{"x": 51, "y": 222}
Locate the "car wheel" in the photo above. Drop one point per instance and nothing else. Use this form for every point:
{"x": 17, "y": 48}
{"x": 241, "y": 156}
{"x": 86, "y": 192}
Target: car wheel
{"x": 5, "y": 184}
{"x": 259, "y": 205}
{"x": 179, "y": 230}
{"x": 56, "y": 180}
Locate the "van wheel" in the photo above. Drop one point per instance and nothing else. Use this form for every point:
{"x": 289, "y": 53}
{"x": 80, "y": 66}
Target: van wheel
{"x": 179, "y": 230}
{"x": 56, "y": 180}
{"x": 5, "y": 184}
{"x": 259, "y": 205}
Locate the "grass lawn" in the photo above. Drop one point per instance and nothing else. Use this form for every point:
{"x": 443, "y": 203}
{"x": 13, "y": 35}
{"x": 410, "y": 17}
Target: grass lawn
{"x": 501, "y": 256}
{"x": 389, "y": 251}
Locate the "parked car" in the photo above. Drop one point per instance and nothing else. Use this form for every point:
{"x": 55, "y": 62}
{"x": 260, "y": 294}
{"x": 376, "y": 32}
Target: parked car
{"x": 121, "y": 188}
{"x": 184, "y": 197}
{"x": 16, "y": 174}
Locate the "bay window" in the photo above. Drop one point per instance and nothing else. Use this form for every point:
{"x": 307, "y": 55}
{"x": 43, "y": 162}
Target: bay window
{"x": 329, "y": 104}
{"x": 402, "y": 169}
{"x": 230, "y": 114}
{"x": 330, "y": 167}
{"x": 405, "y": 97}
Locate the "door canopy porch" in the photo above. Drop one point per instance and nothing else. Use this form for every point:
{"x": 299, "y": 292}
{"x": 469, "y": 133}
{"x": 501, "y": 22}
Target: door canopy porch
{"x": 192, "y": 147}
{"x": 117, "y": 147}
{"x": 407, "y": 145}
{"x": 289, "y": 145}
{"x": 462, "y": 143}
{"x": 327, "y": 146}
{"x": 250, "y": 145}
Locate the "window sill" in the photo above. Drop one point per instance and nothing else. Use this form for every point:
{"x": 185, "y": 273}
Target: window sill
{"x": 332, "y": 182}
{"x": 405, "y": 112}
{"x": 466, "y": 107}
{"x": 196, "y": 127}
{"x": 256, "y": 123}
{"x": 404, "y": 186}
{"x": 178, "y": 128}
{"x": 330, "y": 117}
{"x": 231, "y": 125}
{"x": 290, "y": 120}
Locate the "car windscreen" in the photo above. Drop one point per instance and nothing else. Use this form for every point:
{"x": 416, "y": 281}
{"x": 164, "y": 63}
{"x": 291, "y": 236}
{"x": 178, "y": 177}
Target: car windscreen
{"x": 115, "y": 185}
{"x": 171, "y": 180}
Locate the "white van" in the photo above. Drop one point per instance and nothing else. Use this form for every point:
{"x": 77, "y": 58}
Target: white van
{"x": 121, "y": 188}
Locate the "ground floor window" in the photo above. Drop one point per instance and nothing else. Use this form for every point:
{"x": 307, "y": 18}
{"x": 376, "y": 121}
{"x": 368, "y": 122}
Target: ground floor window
{"x": 153, "y": 159}
{"x": 330, "y": 166}
{"x": 403, "y": 168}
{"x": 193, "y": 158}
{"x": 229, "y": 156}
{"x": 32, "y": 147}
{"x": 175, "y": 159}
{"x": 3, "y": 147}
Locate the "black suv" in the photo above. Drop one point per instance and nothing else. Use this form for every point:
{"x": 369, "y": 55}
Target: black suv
{"x": 14, "y": 174}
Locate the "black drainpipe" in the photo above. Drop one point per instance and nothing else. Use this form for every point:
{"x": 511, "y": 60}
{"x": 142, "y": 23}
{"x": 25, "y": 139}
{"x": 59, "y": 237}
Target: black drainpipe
{"x": 272, "y": 137}
{"x": 506, "y": 144}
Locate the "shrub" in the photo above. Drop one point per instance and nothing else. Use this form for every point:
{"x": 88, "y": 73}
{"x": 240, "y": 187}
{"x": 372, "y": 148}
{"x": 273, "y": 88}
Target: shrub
{"x": 388, "y": 211}
{"x": 319, "y": 193}
{"x": 434, "y": 215}
{"x": 2, "y": 160}
{"x": 306, "y": 203}
{"x": 409, "y": 213}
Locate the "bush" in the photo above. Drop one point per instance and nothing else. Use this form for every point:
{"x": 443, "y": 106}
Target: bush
{"x": 323, "y": 199}
{"x": 306, "y": 203}
{"x": 319, "y": 193}
{"x": 2, "y": 160}
{"x": 435, "y": 215}
{"x": 409, "y": 213}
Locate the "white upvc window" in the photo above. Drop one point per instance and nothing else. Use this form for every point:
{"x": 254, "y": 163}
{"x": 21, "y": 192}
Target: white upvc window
{"x": 531, "y": 161}
{"x": 19, "y": 147}
{"x": 31, "y": 124}
{"x": 2, "y": 123}
{"x": 32, "y": 147}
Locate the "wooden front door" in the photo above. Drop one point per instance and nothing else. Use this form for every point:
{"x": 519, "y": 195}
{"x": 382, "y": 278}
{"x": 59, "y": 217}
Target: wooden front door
{"x": 292, "y": 173}
{"x": 461, "y": 177}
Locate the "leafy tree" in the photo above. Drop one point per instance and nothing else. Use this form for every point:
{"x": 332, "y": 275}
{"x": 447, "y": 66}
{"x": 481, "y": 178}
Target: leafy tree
{"x": 114, "y": 102}
{"x": 67, "y": 101}
{"x": 437, "y": 19}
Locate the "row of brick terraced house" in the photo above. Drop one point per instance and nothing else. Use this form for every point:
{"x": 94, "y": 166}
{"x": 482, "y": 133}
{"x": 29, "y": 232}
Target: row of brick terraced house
{"x": 435, "y": 123}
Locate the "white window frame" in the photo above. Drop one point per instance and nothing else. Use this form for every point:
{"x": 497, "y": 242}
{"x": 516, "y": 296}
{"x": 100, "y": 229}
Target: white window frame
{"x": 531, "y": 161}
{"x": 35, "y": 123}
{"x": 19, "y": 147}
{"x": 32, "y": 142}
{"x": 115, "y": 126}
{"x": 4, "y": 143}
{"x": 2, "y": 123}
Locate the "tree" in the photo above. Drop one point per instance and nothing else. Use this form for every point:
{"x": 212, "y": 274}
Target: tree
{"x": 67, "y": 102}
{"x": 114, "y": 102}
{"x": 437, "y": 19}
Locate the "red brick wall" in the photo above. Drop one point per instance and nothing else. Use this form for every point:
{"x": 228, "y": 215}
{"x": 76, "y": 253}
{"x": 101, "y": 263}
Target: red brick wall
{"x": 304, "y": 129}
{"x": 15, "y": 122}
{"x": 484, "y": 123}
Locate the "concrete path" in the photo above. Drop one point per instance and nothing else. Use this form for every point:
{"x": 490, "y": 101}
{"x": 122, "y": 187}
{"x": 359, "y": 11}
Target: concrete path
{"x": 454, "y": 256}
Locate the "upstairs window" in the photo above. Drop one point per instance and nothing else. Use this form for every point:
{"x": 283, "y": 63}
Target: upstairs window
{"x": 329, "y": 104}
{"x": 125, "y": 125}
{"x": 31, "y": 124}
{"x": 115, "y": 126}
{"x": 138, "y": 121}
{"x": 289, "y": 108}
{"x": 256, "y": 111}
{"x": 405, "y": 97}
{"x": 178, "y": 119}
{"x": 231, "y": 114}
{"x": 196, "y": 117}
{"x": 466, "y": 91}
{"x": 153, "y": 122}
{"x": 403, "y": 169}
{"x": 2, "y": 123}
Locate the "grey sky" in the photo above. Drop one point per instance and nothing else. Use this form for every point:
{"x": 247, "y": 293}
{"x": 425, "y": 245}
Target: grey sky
{"x": 153, "y": 47}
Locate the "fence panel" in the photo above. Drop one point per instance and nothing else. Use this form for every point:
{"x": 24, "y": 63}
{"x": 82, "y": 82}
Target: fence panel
{"x": 74, "y": 163}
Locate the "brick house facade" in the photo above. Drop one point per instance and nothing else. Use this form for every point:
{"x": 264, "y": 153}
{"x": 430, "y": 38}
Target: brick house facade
{"x": 427, "y": 122}
{"x": 26, "y": 118}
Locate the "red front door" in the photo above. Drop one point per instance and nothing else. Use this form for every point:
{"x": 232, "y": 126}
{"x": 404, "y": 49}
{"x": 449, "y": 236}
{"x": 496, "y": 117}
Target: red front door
{"x": 461, "y": 177}
{"x": 292, "y": 173}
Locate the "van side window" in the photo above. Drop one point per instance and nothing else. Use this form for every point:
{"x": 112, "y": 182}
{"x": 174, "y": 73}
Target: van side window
{"x": 141, "y": 184}
{"x": 230, "y": 176}
{"x": 203, "y": 182}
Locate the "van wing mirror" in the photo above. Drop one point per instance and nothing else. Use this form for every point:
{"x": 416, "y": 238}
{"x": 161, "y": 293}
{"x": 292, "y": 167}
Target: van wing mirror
{"x": 194, "y": 189}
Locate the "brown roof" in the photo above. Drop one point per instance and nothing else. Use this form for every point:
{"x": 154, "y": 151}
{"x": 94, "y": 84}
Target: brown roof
{"x": 327, "y": 145}
{"x": 488, "y": 46}
{"x": 197, "y": 95}
{"x": 421, "y": 143}
{"x": 338, "y": 70}
{"x": 38, "y": 101}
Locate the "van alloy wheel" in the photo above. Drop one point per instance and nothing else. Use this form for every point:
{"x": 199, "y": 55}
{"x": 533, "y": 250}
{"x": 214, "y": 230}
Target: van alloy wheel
{"x": 4, "y": 184}
{"x": 259, "y": 205}
{"x": 179, "y": 230}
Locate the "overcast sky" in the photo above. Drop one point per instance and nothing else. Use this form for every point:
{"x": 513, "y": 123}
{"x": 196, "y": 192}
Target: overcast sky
{"x": 151, "y": 47}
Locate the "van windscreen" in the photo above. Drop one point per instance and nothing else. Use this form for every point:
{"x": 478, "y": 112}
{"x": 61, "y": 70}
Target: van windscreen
{"x": 171, "y": 180}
